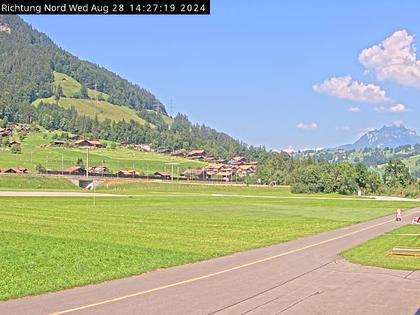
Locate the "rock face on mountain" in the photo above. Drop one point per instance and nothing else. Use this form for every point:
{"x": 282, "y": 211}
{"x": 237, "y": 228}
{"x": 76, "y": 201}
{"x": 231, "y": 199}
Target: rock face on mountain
{"x": 388, "y": 136}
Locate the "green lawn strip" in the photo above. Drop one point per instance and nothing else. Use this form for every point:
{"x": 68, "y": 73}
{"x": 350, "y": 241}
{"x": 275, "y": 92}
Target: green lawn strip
{"x": 377, "y": 252}
{"x": 33, "y": 264}
{"x": 144, "y": 233}
{"x": 35, "y": 183}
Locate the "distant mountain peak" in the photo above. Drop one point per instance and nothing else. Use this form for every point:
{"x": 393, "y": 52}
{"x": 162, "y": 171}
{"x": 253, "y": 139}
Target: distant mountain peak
{"x": 391, "y": 136}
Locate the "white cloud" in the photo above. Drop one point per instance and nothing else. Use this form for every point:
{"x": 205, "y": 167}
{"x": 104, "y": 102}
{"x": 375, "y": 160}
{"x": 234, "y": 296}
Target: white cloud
{"x": 397, "y": 108}
{"x": 354, "y": 109}
{"x": 348, "y": 89}
{"x": 308, "y": 126}
{"x": 394, "y": 59}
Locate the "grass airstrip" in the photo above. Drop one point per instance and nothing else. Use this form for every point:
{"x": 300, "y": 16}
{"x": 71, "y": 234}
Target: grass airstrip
{"x": 49, "y": 244}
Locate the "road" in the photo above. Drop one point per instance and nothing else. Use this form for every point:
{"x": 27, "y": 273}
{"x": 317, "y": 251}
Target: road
{"x": 304, "y": 276}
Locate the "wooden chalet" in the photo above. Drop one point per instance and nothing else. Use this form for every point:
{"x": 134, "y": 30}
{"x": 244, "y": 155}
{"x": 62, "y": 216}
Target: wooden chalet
{"x": 17, "y": 170}
{"x": 196, "y": 155}
{"x": 83, "y": 143}
{"x": 162, "y": 175}
{"x": 74, "y": 170}
{"x": 196, "y": 174}
{"x": 126, "y": 173}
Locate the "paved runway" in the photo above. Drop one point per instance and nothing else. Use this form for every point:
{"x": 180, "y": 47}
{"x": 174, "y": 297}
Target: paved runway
{"x": 304, "y": 276}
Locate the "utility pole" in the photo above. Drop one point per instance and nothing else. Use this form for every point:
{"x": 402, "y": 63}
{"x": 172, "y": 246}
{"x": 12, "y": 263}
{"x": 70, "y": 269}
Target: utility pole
{"x": 87, "y": 162}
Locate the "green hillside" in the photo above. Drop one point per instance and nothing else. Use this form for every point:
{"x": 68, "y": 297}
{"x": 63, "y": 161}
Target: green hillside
{"x": 35, "y": 150}
{"x": 71, "y": 87}
{"x": 413, "y": 164}
{"x": 43, "y": 71}
{"x": 92, "y": 108}
{"x": 95, "y": 105}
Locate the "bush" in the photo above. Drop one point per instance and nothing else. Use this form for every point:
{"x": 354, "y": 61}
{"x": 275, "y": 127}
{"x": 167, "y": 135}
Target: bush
{"x": 16, "y": 149}
{"x": 40, "y": 169}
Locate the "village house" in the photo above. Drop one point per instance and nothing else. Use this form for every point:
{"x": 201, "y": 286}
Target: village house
{"x": 162, "y": 175}
{"x": 225, "y": 175}
{"x": 13, "y": 142}
{"x": 74, "y": 170}
{"x": 196, "y": 174}
{"x": 5, "y": 132}
{"x": 142, "y": 147}
{"x": 83, "y": 143}
{"x": 126, "y": 173}
{"x": 163, "y": 151}
{"x": 214, "y": 168}
{"x": 209, "y": 158}
{"x": 99, "y": 170}
{"x": 244, "y": 170}
{"x": 237, "y": 160}
{"x": 17, "y": 170}
{"x": 196, "y": 155}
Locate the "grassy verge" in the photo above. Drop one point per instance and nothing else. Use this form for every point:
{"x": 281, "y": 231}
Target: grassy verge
{"x": 377, "y": 252}
{"x": 29, "y": 183}
{"x": 50, "y": 244}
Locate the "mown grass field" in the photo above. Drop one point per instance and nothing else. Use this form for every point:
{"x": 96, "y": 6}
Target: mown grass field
{"x": 101, "y": 109}
{"x": 52, "y": 244}
{"x": 54, "y": 158}
{"x": 71, "y": 87}
{"x": 377, "y": 252}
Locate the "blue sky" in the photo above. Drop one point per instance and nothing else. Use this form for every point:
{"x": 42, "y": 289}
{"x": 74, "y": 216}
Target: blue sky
{"x": 249, "y": 69}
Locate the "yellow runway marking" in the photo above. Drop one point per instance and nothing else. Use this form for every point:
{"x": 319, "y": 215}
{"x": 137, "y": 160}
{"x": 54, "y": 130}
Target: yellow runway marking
{"x": 216, "y": 273}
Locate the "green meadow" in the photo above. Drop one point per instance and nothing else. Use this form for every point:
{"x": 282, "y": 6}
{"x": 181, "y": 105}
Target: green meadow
{"x": 49, "y": 244}
{"x": 378, "y": 252}
{"x": 35, "y": 151}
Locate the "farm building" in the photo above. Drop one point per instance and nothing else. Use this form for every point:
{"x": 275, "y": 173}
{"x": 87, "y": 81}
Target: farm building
{"x": 162, "y": 175}
{"x": 5, "y": 132}
{"x": 244, "y": 170}
{"x": 58, "y": 143}
{"x": 99, "y": 170}
{"x": 17, "y": 170}
{"x": 128, "y": 173}
{"x": 214, "y": 168}
{"x": 196, "y": 174}
{"x": 13, "y": 142}
{"x": 88, "y": 144}
{"x": 142, "y": 147}
{"x": 239, "y": 160}
{"x": 196, "y": 155}
{"x": 163, "y": 151}
{"x": 75, "y": 170}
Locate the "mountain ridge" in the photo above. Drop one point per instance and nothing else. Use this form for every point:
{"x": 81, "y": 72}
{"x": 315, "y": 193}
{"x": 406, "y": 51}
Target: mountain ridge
{"x": 392, "y": 136}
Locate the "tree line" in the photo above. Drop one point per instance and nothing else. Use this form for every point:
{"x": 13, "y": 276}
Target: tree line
{"x": 306, "y": 175}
